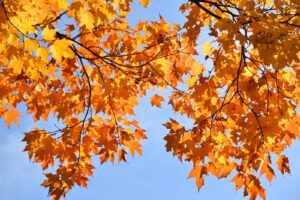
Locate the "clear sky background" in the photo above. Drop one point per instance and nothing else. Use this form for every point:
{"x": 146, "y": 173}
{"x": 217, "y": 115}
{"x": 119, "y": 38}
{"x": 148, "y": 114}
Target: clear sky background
{"x": 156, "y": 175}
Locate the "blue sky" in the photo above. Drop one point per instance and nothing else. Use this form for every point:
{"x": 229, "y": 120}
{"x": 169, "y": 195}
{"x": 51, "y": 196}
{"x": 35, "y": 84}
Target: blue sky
{"x": 156, "y": 175}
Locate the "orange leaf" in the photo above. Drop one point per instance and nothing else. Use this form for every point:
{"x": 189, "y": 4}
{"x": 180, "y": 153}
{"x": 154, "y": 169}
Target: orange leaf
{"x": 12, "y": 116}
{"x": 144, "y": 3}
{"x": 134, "y": 146}
{"x": 156, "y": 100}
{"x": 282, "y": 163}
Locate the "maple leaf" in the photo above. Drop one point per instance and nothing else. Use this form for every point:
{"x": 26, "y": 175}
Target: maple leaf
{"x": 144, "y": 3}
{"x": 86, "y": 65}
{"x": 156, "y": 100}
{"x": 12, "y": 116}
{"x": 43, "y": 53}
{"x": 61, "y": 49}
{"x": 134, "y": 146}
{"x": 87, "y": 20}
{"x": 282, "y": 163}
{"x": 49, "y": 34}
{"x": 197, "y": 173}
{"x": 16, "y": 65}
{"x": 206, "y": 48}
{"x": 238, "y": 179}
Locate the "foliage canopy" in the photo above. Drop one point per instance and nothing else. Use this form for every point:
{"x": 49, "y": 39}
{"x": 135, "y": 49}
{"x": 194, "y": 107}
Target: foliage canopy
{"x": 81, "y": 62}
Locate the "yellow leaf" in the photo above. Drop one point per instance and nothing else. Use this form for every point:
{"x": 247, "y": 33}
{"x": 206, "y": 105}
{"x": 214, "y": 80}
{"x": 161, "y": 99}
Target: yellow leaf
{"x": 247, "y": 73}
{"x": 87, "y": 20}
{"x": 49, "y": 34}
{"x": 269, "y": 2}
{"x": 63, "y": 4}
{"x": 25, "y": 25}
{"x": 221, "y": 138}
{"x": 191, "y": 81}
{"x": 30, "y": 44}
{"x": 206, "y": 48}
{"x": 98, "y": 120}
{"x": 222, "y": 159}
{"x": 16, "y": 65}
{"x": 43, "y": 53}
{"x": 197, "y": 69}
{"x": 60, "y": 4}
{"x": 214, "y": 101}
{"x": 61, "y": 48}
{"x": 186, "y": 137}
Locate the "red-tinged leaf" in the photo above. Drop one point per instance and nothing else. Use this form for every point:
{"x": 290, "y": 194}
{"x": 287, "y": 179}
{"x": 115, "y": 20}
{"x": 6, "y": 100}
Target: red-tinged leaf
{"x": 70, "y": 27}
{"x": 282, "y": 163}
{"x": 238, "y": 179}
{"x": 122, "y": 155}
{"x": 156, "y": 100}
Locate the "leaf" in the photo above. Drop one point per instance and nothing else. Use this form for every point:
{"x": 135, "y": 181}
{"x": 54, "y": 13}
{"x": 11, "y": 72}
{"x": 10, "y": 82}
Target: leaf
{"x": 61, "y": 49}
{"x": 87, "y": 20}
{"x": 134, "y": 146}
{"x": 196, "y": 173}
{"x": 199, "y": 183}
{"x": 206, "y": 48}
{"x": 191, "y": 81}
{"x": 293, "y": 125}
{"x": 156, "y": 100}
{"x": 267, "y": 169}
{"x": 43, "y": 53}
{"x": 17, "y": 65}
{"x": 49, "y": 34}
{"x": 121, "y": 155}
{"x": 214, "y": 101}
{"x": 145, "y": 3}
{"x": 70, "y": 28}
{"x": 60, "y": 4}
{"x": 282, "y": 163}
{"x": 238, "y": 179}
{"x": 269, "y": 2}
{"x": 86, "y": 65}
{"x": 12, "y": 116}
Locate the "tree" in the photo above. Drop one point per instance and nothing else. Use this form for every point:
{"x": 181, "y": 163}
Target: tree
{"x": 81, "y": 62}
